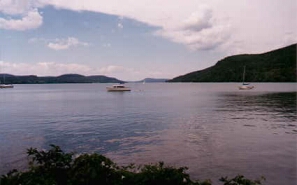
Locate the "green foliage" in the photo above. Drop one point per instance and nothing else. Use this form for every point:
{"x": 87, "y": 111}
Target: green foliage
{"x": 241, "y": 180}
{"x": 54, "y": 158}
{"x": 94, "y": 169}
{"x": 55, "y": 167}
{"x": 158, "y": 174}
{"x": 274, "y": 66}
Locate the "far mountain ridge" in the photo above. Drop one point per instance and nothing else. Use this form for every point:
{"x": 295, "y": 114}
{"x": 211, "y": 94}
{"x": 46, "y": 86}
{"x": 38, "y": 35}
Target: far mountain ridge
{"x": 65, "y": 78}
{"x": 151, "y": 80}
{"x": 274, "y": 66}
{"x": 71, "y": 76}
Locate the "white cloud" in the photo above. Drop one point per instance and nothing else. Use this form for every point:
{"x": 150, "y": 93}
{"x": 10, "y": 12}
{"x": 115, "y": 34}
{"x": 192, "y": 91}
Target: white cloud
{"x": 199, "y": 20}
{"x": 14, "y": 6}
{"x": 115, "y": 69}
{"x": 56, "y": 68}
{"x": 30, "y": 21}
{"x": 44, "y": 68}
{"x": 203, "y": 24}
{"x": 198, "y": 32}
{"x": 187, "y": 23}
{"x": 36, "y": 40}
{"x": 175, "y": 22}
{"x": 106, "y": 45}
{"x": 26, "y": 10}
{"x": 62, "y": 44}
{"x": 132, "y": 74}
{"x": 204, "y": 40}
{"x": 289, "y": 38}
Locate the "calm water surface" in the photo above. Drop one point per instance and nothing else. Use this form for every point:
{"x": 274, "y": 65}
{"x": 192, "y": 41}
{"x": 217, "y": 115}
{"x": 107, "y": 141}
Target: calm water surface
{"x": 214, "y": 129}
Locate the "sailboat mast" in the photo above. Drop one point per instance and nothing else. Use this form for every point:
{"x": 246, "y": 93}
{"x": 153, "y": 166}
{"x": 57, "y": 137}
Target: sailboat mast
{"x": 1, "y": 65}
{"x": 243, "y": 76}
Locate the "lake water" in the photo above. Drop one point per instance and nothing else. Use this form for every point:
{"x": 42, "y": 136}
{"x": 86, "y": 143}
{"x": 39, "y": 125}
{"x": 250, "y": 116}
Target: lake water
{"x": 213, "y": 128}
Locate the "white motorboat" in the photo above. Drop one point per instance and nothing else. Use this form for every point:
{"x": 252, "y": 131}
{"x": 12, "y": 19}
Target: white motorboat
{"x": 118, "y": 88}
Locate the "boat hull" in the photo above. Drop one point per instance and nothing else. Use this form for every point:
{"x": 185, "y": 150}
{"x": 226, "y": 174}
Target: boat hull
{"x": 111, "y": 89}
{"x": 3, "y": 86}
{"x": 243, "y": 87}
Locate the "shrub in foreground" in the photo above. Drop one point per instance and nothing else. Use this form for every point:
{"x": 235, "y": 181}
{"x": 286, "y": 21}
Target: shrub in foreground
{"x": 55, "y": 167}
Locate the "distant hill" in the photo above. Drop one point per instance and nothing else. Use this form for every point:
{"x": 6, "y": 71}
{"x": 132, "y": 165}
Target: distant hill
{"x": 153, "y": 80}
{"x": 274, "y": 66}
{"x": 67, "y": 78}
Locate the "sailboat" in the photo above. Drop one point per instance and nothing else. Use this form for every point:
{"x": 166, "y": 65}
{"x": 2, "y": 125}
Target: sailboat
{"x": 4, "y": 85}
{"x": 245, "y": 86}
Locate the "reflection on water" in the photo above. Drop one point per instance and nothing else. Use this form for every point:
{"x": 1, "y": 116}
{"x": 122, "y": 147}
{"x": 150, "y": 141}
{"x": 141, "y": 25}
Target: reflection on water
{"x": 278, "y": 110}
{"x": 214, "y": 129}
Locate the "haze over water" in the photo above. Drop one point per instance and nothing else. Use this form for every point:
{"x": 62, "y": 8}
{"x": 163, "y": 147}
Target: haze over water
{"x": 212, "y": 128}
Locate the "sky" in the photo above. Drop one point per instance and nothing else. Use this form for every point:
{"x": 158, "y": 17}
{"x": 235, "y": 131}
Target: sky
{"x": 136, "y": 39}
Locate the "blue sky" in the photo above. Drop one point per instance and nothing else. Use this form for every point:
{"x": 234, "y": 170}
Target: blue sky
{"x": 132, "y": 40}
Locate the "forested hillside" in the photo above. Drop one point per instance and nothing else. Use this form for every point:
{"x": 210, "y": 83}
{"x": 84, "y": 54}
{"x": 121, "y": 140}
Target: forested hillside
{"x": 274, "y": 66}
{"x": 67, "y": 78}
